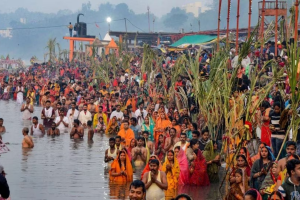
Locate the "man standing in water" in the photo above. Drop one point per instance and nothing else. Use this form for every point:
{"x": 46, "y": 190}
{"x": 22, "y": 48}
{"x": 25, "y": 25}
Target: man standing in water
{"x": 155, "y": 182}
{"x": 2, "y": 128}
{"x": 27, "y": 109}
{"x": 137, "y": 190}
{"x": 27, "y": 140}
{"x": 139, "y": 154}
{"x": 111, "y": 152}
{"x": 90, "y": 130}
{"x": 77, "y": 131}
{"x": 53, "y": 131}
{"x": 48, "y": 115}
{"x": 84, "y": 116}
{"x": 20, "y": 91}
{"x": 36, "y": 128}
{"x": 73, "y": 113}
{"x": 62, "y": 122}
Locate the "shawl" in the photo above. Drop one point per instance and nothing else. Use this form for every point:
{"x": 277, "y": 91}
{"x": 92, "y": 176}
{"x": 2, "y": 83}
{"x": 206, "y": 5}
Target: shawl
{"x": 184, "y": 168}
{"x": 172, "y": 177}
{"x": 199, "y": 177}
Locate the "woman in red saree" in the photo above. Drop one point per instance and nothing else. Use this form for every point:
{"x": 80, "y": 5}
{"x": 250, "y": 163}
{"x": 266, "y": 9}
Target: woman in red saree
{"x": 198, "y": 170}
{"x": 121, "y": 170}
{"x": 265, "y": 130}
{"x": 159, "y": 147}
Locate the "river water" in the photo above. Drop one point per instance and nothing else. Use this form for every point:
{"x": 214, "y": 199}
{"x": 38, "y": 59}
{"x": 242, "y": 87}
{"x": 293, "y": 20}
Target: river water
{"x": 60, "y": 168}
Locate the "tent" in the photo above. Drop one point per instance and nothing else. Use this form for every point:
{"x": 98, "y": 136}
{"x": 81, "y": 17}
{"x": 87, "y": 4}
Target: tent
{"x": 107, "y": 37}
{"x": 193, "y": 39}
{"x": 112, "y": 45}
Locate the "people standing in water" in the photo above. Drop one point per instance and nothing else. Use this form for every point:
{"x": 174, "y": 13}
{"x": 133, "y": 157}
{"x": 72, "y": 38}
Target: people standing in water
{"x": 77, "y": 131}
{"x": 53, "y": 131}
{"x": 62, "y": 122}
{"x": 121, "y": 169}
{"x": 27, "y": 140}
{"x": 111, "y": 153}
{"x": 48, "y": 115}
{"x": 155, "y": 181}
{"x": 27, "y": 109}
{"x": 20, "y": 92}
{"x": 2, "y": 128}
{"x": 139, "y": 154}
{"x": 90, "y": 130}
{"x": 36, "y": 128}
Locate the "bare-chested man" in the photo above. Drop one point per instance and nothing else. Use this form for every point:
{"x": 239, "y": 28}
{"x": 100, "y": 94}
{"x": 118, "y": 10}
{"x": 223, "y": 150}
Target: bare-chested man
{"x": 290, "y": 150}
{"x": 53, "y": 131}
{"x": 139, "y": 154}
{"x": 27, "y": 140}
{"x": 172, "y": 140}
{"x": 77, "y": 131}
{"x": 2, "y": 128}
{"x": 150, "y": 144}
{"x": 90, "y": 130}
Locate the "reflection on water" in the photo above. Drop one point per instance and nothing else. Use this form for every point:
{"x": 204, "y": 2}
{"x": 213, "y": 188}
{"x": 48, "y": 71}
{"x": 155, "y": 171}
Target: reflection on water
{"x": 61, "y": 168}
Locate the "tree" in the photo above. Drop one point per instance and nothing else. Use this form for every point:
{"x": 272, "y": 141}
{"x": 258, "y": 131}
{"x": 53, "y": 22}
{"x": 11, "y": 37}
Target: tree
{"x": 51, "y": 49}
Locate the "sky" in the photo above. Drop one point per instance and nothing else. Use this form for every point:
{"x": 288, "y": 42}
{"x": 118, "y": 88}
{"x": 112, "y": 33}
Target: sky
{"x": 158, "y": 7}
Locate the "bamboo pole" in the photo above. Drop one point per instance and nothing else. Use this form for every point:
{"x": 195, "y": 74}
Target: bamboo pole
{"x": 237, "y": 29}
{"x": 296, "y": 22}
{"x": 262, "y": 23}
{"x": 249, "y": 19}
{"x": 228, "y": 17}
{"x": 219, "y": 21}
{"x": 276, "y": 27}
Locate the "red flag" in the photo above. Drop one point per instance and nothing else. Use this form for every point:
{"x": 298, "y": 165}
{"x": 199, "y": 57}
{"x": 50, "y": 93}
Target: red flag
{"x": 96, "y": 25}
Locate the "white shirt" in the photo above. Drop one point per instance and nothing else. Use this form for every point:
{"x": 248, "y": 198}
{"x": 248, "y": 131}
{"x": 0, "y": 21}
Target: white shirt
{"x": 75, "y": 115}
{"x": 62, "y": 128}
{"x": 119, "y": 114}
{"x": 85, "y": 117}
{"x": 140, "y": 115}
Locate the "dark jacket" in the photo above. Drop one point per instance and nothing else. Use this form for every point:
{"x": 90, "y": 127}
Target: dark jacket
{"x": 4, "y": 189}
{"x": 289, "y": 190}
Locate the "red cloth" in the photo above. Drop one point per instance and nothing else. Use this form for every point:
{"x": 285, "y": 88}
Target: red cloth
{"x": 199, "y": 176}
{"x": 266, "y": 133}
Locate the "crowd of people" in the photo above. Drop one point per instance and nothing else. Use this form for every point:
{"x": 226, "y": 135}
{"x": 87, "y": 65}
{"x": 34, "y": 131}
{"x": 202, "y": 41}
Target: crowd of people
{"x": 157, "y": 136}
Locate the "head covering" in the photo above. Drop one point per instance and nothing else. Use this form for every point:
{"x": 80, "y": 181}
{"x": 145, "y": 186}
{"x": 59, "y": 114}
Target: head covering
{"x": 115, "y": 165}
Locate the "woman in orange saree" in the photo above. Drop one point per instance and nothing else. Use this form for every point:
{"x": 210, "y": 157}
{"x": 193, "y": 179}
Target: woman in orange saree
{"x": 121, "y": 169}
{"x": 161, "y": 124}
{"x": 112, "y": 127}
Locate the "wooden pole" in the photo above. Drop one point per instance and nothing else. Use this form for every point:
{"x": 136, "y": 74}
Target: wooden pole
{"x": 262, "y": 27}
{"x": 296, "y": 22}
{"x": 228, "y": 17}
{"x": 237, "y": 29}
{"x": 276, "y": 27}
{"x": 249, "y": 19}
{"x": 219, "y": 21}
